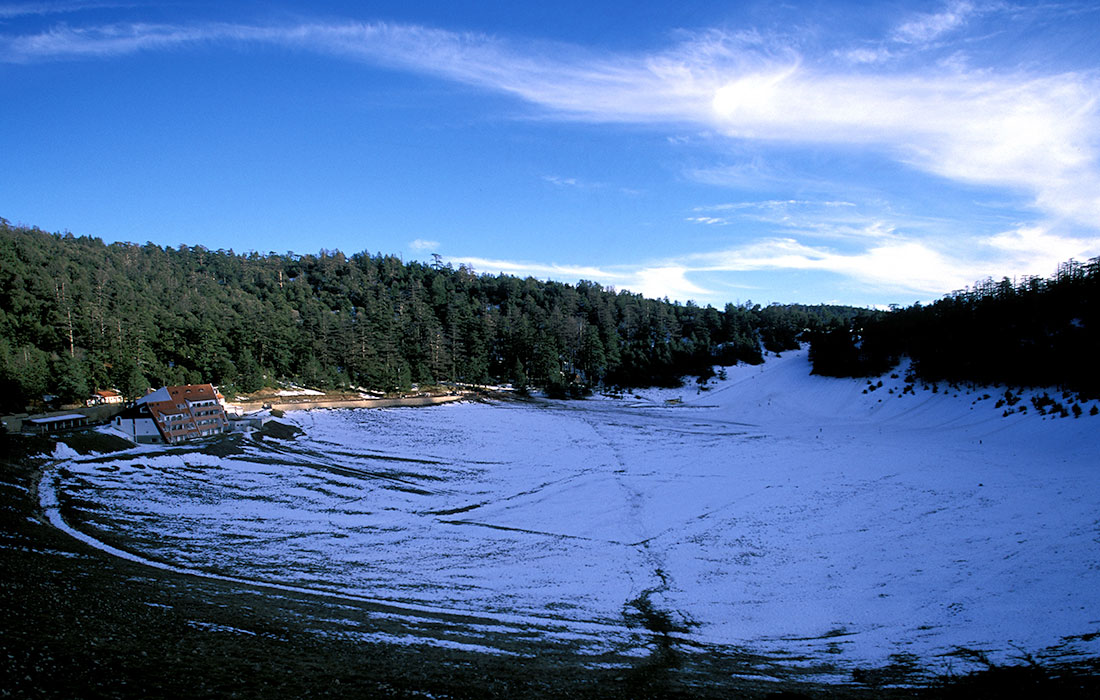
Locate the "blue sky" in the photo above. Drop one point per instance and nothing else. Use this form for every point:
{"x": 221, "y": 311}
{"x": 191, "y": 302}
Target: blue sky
{"x": 809, "y": 151}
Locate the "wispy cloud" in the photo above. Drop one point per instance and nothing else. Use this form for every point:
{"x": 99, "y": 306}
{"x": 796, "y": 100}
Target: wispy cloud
{"x": 709, "y": 220}
{"x": 1029, "y": 250}
{"x": 906, "y": 264}
{"x": 579, "y": 184}
{"x": 775, "y": 205}
{"x": 1034, "y": 133}
{"x": 930, "y": 26}
{"x": 66, "y": 42}
{"x": 906, "y": 267}
{"x": 866, "y": 55}
{"x": 422, "y": 245}
{"x": 27, "y": 9}
{"x": 655, "y": 280}
{"x": 562, "y": 181}
{"x": 882, "y": 250}
{"x": 818, "y": 219}
{"x": 543, "y": 270}
{"x": 1029, "y": 133}
{"x": 903, "y": 265}
{"x": 885, "y": 262}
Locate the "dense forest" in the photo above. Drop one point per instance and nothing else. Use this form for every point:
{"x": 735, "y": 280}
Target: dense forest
{"x": 1032, "y": 332}
{"x": 77, "y": 315}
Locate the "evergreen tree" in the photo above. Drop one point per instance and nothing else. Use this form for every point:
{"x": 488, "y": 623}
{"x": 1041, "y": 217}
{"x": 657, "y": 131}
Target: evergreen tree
{"x": 249, "y": 376}
{"x": 71, "y": 383}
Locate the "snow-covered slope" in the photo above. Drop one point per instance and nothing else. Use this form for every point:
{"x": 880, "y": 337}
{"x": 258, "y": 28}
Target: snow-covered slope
{"x": 802, "y": 518}
{"x": 783, "y": 389}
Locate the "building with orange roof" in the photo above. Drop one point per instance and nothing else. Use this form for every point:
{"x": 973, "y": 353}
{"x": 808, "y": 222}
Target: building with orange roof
{"x": 104, "y": 396}
{"x": 175, "y": 414}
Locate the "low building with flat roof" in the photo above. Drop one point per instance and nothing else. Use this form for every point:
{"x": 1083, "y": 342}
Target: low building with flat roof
{"x": 53, "y": 424}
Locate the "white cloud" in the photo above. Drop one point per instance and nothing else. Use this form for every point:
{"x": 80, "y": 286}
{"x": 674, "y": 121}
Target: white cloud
{"x": 541, "y": 270}
{"x": 900, "y": 265}
{"x": 835, "y": 220}
{"x": 1035, "y": 135}
{"x": 575, "y": 183}
{"x": 866, "y": 55}
{"x": 656, "y": 281}
{"x": 709, "y": 220}
{"x": 916, "y": 34}
{"x": 1034, "y": 250}
{"x": 561, "y": 181}
{"x": 1031, "y": 133}
{"x": 886, "y": 262}
{"x": 927, "y": 27}
{"x": 903, "y": 264}
{"x": 53, "y": 8}
{"x": 104, "y": 41}
{"x": 775, "y": 204}
{"x": 422, "y": 245}
{"x": 907, "y": 265}
{"x": 883, "y": 260}
{"x": 667, "y": 281}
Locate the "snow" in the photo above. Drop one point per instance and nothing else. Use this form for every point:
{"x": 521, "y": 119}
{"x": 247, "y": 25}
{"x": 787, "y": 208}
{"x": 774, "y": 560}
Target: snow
{"x": 63, "y": 451}
{"x": 299, "y": 392}
{"x": 111, "y": 430}
{"x": 56, "y": 419}
{"x": 787, "y": 514}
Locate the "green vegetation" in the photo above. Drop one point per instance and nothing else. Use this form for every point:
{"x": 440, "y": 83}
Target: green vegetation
{"x": 1031, "y": 332}
{"x": 77, "y": 314}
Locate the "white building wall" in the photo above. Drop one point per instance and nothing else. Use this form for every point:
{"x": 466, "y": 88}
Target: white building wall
{"x": 141, "y": 430}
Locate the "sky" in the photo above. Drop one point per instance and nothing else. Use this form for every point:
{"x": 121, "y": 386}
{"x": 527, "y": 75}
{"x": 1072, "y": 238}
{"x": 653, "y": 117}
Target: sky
{"x": 813, "y": 152}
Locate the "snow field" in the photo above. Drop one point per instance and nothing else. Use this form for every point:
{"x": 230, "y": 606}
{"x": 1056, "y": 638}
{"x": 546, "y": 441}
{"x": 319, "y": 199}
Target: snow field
{"x": 783, "y": 513}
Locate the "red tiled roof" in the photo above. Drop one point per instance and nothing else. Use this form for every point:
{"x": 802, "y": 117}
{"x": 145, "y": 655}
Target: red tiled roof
{"x": 193, "y": 392}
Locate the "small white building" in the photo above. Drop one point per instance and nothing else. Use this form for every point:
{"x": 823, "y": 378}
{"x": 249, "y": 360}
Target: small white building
{"x": 105, "y": 396}
{"x": 137, "y": 422}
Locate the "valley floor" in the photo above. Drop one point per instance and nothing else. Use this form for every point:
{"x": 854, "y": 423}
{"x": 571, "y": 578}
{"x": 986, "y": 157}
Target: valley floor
{"x": 777, "y": 532}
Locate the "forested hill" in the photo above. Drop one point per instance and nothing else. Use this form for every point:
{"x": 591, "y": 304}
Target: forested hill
{"x": 1032, "y": 332}
{"x": 76, "y": 315}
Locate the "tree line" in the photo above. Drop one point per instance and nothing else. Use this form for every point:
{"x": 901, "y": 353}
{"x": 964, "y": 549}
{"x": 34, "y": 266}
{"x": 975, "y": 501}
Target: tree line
{"x": 1035, "y": 331}
{"x": 77, "y": 314}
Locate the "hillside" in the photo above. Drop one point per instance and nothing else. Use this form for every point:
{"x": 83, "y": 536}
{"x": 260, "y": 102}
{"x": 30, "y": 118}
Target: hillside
{"x": 77, "y": 314}
{"x": 1030, "y": 332}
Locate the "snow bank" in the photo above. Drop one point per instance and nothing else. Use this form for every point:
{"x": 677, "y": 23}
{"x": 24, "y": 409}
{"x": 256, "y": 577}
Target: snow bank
{"x": 299, "y": 392}
{"x": 63, "y": 451}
